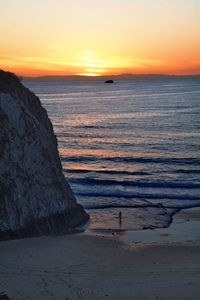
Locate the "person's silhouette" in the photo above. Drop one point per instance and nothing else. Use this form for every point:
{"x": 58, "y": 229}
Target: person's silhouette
{"x": 120, "y": 218}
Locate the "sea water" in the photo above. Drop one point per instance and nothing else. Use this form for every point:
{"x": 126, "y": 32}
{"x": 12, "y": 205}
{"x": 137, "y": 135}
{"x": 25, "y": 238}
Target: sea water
{"x": 131, "y": 147}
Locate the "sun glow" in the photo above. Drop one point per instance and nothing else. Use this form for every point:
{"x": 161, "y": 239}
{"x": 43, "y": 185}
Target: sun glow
{"x": 89, "y": 74}
{"x": 91, "y": 38}
{"x": 91, "y": 64}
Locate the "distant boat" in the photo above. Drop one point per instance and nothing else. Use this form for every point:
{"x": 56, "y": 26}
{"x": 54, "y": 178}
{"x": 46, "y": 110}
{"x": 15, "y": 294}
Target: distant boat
{"x": 109, "y": 81}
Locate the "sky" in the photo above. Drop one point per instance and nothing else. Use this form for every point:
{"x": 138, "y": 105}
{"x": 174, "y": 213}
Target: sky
{"x": 100, "y": 37}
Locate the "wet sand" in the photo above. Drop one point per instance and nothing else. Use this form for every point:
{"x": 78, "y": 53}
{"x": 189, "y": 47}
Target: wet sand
{"x": 184, "y": 229}
{"x": 80, "y": 266}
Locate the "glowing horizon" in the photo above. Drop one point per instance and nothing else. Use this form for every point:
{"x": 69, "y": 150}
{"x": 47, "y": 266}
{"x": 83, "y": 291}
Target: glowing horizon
{"x": 93, "y": 38}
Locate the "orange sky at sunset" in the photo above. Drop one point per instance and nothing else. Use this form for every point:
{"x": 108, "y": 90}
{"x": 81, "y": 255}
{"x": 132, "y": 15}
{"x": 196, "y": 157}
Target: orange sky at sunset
{"x": 100, "y": 37}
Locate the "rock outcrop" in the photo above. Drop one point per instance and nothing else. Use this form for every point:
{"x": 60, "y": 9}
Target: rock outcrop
{"x": 35, "y": 198}
{"x": 109, "y": 81}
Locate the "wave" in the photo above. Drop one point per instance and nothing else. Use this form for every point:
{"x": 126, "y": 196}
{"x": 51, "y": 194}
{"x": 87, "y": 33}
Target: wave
{"x": 125, "y": 172}
{"x": 184, "y": 171}
{"x": 140, "y": 183}
{"x": 108, "y": 206}
{"x": 130, "y": 195}
{"x": 142, "y": 205}
{"x": 111, "y": 172}
{"x": 142, "y": 160}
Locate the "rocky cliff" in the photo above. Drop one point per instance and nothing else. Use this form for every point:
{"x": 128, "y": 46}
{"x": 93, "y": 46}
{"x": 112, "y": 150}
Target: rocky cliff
{"x": 35, "y": 198}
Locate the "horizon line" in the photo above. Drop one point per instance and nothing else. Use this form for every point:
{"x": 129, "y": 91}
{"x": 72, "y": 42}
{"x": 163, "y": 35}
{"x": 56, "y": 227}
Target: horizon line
{"x": 113, "y": 75}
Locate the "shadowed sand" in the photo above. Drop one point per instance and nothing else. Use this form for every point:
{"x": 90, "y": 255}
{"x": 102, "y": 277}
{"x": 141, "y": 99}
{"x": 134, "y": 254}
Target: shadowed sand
{"x": 90, "y": 267}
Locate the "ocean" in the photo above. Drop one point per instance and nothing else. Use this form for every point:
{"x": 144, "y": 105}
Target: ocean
{"x": 131, "y": 147}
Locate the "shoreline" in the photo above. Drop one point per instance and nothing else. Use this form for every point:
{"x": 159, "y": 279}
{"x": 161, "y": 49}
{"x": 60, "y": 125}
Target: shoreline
{"x": 183, "y": 228}
{"x": 84, "y": 266}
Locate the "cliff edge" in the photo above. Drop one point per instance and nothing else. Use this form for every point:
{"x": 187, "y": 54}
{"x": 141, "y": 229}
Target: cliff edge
{"x": 35, "y": 198}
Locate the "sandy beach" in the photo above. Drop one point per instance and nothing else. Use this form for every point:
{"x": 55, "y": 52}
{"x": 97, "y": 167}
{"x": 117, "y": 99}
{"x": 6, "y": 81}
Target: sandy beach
{"x": 81, "y": 266}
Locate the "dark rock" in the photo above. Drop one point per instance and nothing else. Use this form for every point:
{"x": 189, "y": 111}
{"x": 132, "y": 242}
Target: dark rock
{"x": 4, "y": 297}
{"x": 35, "y": 198}
{"x": 109, "y": 81}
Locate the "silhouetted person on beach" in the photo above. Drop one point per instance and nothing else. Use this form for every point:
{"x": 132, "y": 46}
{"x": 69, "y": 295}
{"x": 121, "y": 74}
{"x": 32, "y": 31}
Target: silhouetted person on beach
{"x": 120, "y": 218}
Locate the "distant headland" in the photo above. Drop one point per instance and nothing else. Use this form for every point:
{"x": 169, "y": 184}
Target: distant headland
{"x": 109, "y": 77}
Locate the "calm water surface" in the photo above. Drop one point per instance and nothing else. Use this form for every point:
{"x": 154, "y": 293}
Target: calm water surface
{"x": 132, "y": 146}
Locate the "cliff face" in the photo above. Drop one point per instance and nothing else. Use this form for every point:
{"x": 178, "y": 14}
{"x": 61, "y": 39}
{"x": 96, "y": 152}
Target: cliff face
{"x": 34, "y": 195}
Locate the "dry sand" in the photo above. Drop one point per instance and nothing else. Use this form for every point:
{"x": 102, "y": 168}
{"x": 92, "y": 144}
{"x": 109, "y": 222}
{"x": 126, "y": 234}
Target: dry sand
{"x": 90, "y": 267}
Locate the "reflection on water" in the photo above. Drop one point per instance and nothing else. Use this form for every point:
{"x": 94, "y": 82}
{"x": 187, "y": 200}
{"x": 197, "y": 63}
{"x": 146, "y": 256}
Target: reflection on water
{"x": 133, "y": 218}
{"x": 132, "y": 147}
